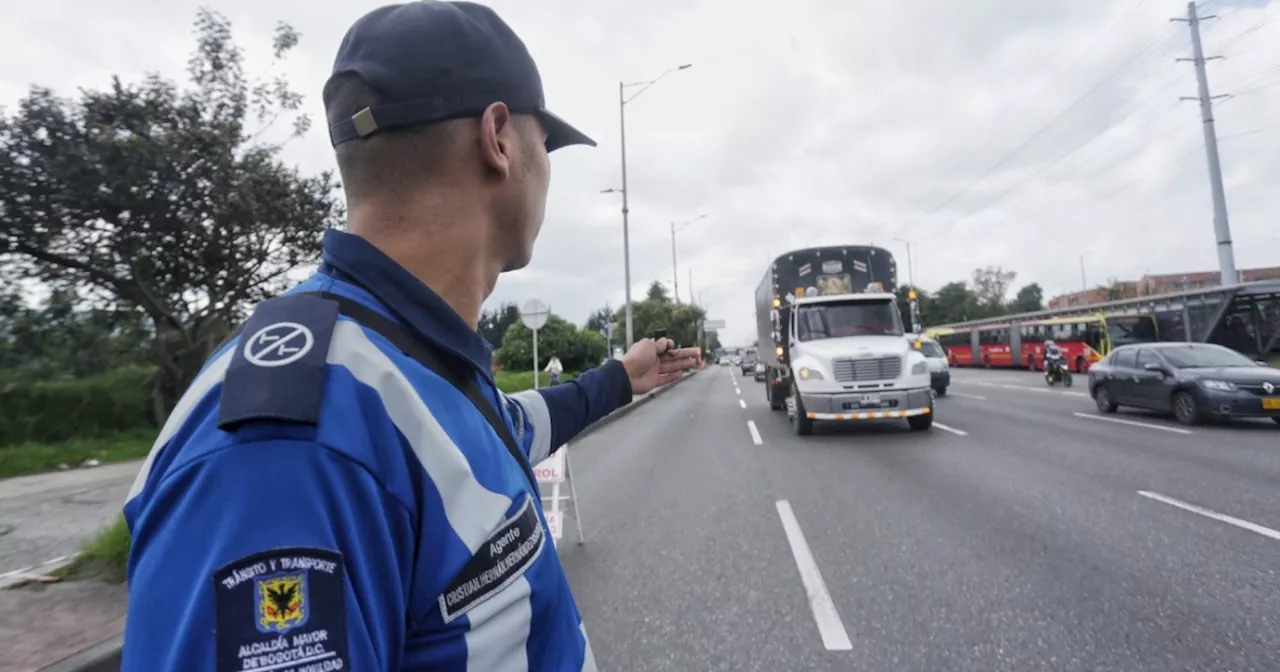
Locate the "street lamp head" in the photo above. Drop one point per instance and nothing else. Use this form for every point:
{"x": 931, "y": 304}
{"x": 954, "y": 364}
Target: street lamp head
{"x": 611, "y": 190}
{"x": 686, "y": 66}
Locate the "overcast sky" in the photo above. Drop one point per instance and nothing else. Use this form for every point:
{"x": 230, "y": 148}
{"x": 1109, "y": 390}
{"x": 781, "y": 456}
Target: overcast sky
{"x": 989, "y": 132}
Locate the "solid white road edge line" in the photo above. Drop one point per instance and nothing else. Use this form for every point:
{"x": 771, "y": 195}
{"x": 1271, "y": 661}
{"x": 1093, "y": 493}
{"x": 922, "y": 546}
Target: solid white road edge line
{"x": 962, "y": 395}
{"x": 1132, "y": 423}
{"x": 1231, "y": 520}
{"x": 742, "y": 403}
{"x": 834, "y": 636}
{"x": 953, "y": 430}
{"x": 755, "y": 433}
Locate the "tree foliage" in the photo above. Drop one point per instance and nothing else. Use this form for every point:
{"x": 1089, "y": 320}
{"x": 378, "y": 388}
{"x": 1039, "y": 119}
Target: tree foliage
{"x": 161, "y": 200}
{"x": 56, "y": 340}
{"x": 984, "y": 296}
{"x": 578, "y": 349}
{"x": 658, "y": 292}
{"x": 1029, "y": 299}
{"x": 494, "y": 323}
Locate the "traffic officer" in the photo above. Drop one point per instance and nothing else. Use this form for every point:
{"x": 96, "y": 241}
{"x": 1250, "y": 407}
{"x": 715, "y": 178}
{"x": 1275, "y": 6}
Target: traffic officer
{"x": 343, "y": 487}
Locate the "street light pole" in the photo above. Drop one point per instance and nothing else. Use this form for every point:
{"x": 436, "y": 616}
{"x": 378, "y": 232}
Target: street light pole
{"x": 626, "y": 237}
{"x": 675, "y": 270}
{"x": 911, "y": 296}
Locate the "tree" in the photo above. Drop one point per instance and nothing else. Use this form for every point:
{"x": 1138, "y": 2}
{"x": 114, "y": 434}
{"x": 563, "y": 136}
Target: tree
{"x": 57, "y": 340}
{"x": 953, "y": 302}
{"x": 578, "y": 349}
{"x": 600, "y": 319}
{"x": 990, "y": 286}
{"x": 1029, "y": 299}
{"x": 161, "y": 201}
{"x": 494, "y": 323}
{"x": 657, "y": 292}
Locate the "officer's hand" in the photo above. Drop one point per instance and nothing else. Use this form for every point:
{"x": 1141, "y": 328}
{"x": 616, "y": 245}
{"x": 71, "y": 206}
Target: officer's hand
{"x": 652, "y": 363}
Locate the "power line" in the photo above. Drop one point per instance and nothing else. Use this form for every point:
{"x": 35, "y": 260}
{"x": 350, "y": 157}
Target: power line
{"x": 1053, "y": 162}
{"x": 1143, "y": 53}
{"x": 998, "y": 128}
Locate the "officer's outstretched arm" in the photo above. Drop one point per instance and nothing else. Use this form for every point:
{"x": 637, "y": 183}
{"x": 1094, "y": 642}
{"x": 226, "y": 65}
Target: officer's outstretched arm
{"x": 553, "y": 416}
{"x": 268, "y": 554}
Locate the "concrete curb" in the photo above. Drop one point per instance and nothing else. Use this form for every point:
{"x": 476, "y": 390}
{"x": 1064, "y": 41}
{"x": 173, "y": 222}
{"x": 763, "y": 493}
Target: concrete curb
{"x": 622, "y": 412}
{"x": 105, "y": 655}
{"x": 101, "y": 657}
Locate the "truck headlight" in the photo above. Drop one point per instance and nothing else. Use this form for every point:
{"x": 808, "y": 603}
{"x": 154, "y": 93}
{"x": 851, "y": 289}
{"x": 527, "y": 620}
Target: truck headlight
{"x": 1219, "y": 385}
{"x": 919, "y": 367}
{"x": 807, "y": 373}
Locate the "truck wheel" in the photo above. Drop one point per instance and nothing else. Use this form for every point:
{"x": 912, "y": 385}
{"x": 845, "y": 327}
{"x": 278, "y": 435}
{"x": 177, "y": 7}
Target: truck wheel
{"x": 800, "y": 422}
{"x": 920, "y": 423}
{"x": 940, "y": 391}
{"x": 771, "y": 393}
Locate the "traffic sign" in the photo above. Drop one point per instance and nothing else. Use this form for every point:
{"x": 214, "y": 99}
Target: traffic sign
{"x": 554, "y": 471}
{"x": 554, "y": 520}
{"x": 550, "y": 470}
{"x": 712, "y": 325}
{"x": 534, "y": 314}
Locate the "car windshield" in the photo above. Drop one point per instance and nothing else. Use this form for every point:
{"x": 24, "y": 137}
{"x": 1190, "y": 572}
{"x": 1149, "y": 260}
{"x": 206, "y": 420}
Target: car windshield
{"x": 1204, "y": 356}
{"x": 855, "y": 318}
{"x": 931, "y": 349}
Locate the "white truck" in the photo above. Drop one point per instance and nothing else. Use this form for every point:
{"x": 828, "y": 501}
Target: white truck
{"x": 833, "y": 353}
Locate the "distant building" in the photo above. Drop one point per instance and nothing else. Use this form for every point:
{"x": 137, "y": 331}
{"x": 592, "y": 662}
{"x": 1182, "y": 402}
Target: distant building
{"x": 1150, "y": 285}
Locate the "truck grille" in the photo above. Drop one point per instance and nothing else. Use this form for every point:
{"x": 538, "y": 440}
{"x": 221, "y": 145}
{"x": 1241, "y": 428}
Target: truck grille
{"x": 858, "y": 370}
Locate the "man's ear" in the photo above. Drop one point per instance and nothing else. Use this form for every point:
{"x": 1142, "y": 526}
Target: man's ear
{"x": 497, "y": 138}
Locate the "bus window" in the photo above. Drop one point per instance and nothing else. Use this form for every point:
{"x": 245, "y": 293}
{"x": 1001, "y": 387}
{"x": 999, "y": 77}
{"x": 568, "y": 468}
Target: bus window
{"x": 1131, "y": 329}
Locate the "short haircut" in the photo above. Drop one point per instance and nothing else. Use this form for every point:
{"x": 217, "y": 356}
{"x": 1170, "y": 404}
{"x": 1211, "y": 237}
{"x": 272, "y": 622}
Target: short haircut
{"x": 391, "y": 158}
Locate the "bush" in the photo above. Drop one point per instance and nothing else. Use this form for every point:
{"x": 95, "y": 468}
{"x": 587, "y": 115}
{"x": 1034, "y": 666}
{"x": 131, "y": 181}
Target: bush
{"x": 518, "y": 381}
{"x": 51, "y": 411}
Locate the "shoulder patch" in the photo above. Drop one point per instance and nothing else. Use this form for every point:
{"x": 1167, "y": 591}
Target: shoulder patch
{"x": 503, "y": 557}
{"x": 278, "y": 367}
{"x": 282, "y": 609}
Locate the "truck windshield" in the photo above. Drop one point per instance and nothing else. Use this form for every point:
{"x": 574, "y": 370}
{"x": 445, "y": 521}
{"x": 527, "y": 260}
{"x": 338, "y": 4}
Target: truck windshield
{"x": 836, "y": 320}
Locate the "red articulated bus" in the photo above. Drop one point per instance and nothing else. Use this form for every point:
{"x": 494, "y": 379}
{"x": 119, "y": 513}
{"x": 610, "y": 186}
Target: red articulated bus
{"x": 1083, "y": 339}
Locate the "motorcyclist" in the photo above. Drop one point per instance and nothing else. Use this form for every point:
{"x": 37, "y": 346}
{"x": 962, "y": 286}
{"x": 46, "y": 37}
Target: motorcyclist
{"x": 1052, "y": 355}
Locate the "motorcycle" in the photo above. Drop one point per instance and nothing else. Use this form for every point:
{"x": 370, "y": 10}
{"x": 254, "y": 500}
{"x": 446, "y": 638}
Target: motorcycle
{"x": 1055, "y": 371}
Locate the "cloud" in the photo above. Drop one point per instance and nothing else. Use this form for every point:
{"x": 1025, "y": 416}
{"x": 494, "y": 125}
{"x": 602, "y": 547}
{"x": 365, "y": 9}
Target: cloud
{"x": 1020, "y": 134}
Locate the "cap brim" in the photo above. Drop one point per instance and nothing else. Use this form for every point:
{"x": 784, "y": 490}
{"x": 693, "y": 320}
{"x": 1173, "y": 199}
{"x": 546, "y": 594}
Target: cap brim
{"x": 560, "y": 133}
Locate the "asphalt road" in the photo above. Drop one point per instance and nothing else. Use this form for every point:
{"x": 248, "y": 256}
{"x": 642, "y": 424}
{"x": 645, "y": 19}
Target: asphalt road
{"x": 1020, "y": 540}
{"x": 46, "y": 517}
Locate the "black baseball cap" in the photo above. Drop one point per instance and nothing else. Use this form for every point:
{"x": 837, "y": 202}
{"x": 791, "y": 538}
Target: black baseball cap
{"x": 429, "y": 61}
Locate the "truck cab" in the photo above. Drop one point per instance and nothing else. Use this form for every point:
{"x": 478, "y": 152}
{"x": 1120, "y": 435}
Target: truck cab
{"x": 849, "y": 360}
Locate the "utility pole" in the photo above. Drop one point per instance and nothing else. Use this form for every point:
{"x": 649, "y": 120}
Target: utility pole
{"x": 675, "y": 270}
{"x": 626, "y": 234}
{"x": 1222, "y": 229}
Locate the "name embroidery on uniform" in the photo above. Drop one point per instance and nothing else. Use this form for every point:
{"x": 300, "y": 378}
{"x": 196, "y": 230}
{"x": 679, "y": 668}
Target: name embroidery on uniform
{"x": 502, "y": 559}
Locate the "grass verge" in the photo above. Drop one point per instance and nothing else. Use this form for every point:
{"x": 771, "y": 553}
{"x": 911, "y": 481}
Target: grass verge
{"x": 104, "y": 557}
{"x": 21, "y": 459}
{"x": 517, "y": 381}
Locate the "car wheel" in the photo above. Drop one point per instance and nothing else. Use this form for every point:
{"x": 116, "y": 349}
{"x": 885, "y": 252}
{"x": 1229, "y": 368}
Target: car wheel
{"x": 1102, "y": 397}
{"x": 1185, "y": 408}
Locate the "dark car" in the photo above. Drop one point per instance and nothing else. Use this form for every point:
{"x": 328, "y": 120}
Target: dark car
{"x": 1193, "y": 381}
{"x": 748, "y": 362}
